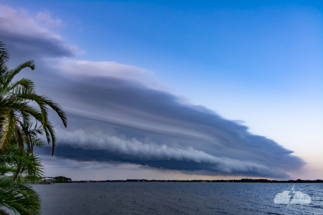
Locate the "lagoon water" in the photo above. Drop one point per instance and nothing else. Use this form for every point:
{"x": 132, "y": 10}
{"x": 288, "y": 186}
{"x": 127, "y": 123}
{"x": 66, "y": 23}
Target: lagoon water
{"x": 174, "y": 198}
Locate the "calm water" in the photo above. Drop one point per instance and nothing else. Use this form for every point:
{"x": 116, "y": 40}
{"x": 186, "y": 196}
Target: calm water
{"x": 174, "y": 198}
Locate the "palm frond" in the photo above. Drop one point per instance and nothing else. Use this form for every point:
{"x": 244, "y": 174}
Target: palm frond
{"x": 12, "y": 73}
{"x": 15, "y": 157}
{"x": 18, "y": 197}
{"x": 4, "y": 56}
{"x": 26, "y": 84}
{"x": 9, "y": 127}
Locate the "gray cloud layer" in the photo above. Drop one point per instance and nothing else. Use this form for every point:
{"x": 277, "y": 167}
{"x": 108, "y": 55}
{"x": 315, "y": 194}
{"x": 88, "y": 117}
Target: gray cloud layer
{"x": 114, "y": 118}
{"x": 25, "y": 37}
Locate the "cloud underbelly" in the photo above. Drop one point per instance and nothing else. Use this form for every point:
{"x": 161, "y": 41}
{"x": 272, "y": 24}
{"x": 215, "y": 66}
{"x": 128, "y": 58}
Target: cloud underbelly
{"x": 161, "y": 156}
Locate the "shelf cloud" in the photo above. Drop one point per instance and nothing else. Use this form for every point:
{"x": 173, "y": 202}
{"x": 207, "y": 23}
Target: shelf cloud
{"x": 120, "y": 113}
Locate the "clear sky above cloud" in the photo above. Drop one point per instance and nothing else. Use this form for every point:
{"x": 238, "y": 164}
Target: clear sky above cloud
{"x": 167, "y": 89}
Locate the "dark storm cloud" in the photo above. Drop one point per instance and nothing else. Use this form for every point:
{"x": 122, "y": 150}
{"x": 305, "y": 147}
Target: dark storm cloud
{"x": 136, "y": 124}
{"x": 188, "y": 167}
{"x": 116, "y": 115}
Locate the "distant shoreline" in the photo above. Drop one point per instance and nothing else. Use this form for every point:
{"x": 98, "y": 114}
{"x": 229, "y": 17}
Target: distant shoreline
{"x": 203, "y": 181}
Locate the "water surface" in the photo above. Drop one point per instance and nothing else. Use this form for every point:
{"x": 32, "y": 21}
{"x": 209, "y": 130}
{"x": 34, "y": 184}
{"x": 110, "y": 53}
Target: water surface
{"x": 174, "y": 198}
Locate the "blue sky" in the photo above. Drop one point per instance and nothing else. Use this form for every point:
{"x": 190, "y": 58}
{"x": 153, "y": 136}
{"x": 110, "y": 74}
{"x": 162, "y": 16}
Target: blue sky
{"x": 259, "y": 63}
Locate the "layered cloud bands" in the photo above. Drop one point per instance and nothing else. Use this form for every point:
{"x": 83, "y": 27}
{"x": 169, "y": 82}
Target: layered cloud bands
{"x": 118, "y": 113}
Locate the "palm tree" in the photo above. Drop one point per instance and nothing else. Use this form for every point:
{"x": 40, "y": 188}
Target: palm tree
{"x": 19, "y": 165}
{"x": 16, "y": 195}
{"x": 18, "y": 168}
{"x": 15, "y": 108}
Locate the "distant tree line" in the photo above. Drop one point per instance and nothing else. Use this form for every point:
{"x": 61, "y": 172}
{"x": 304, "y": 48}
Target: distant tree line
{"x": 245, "y": 180}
